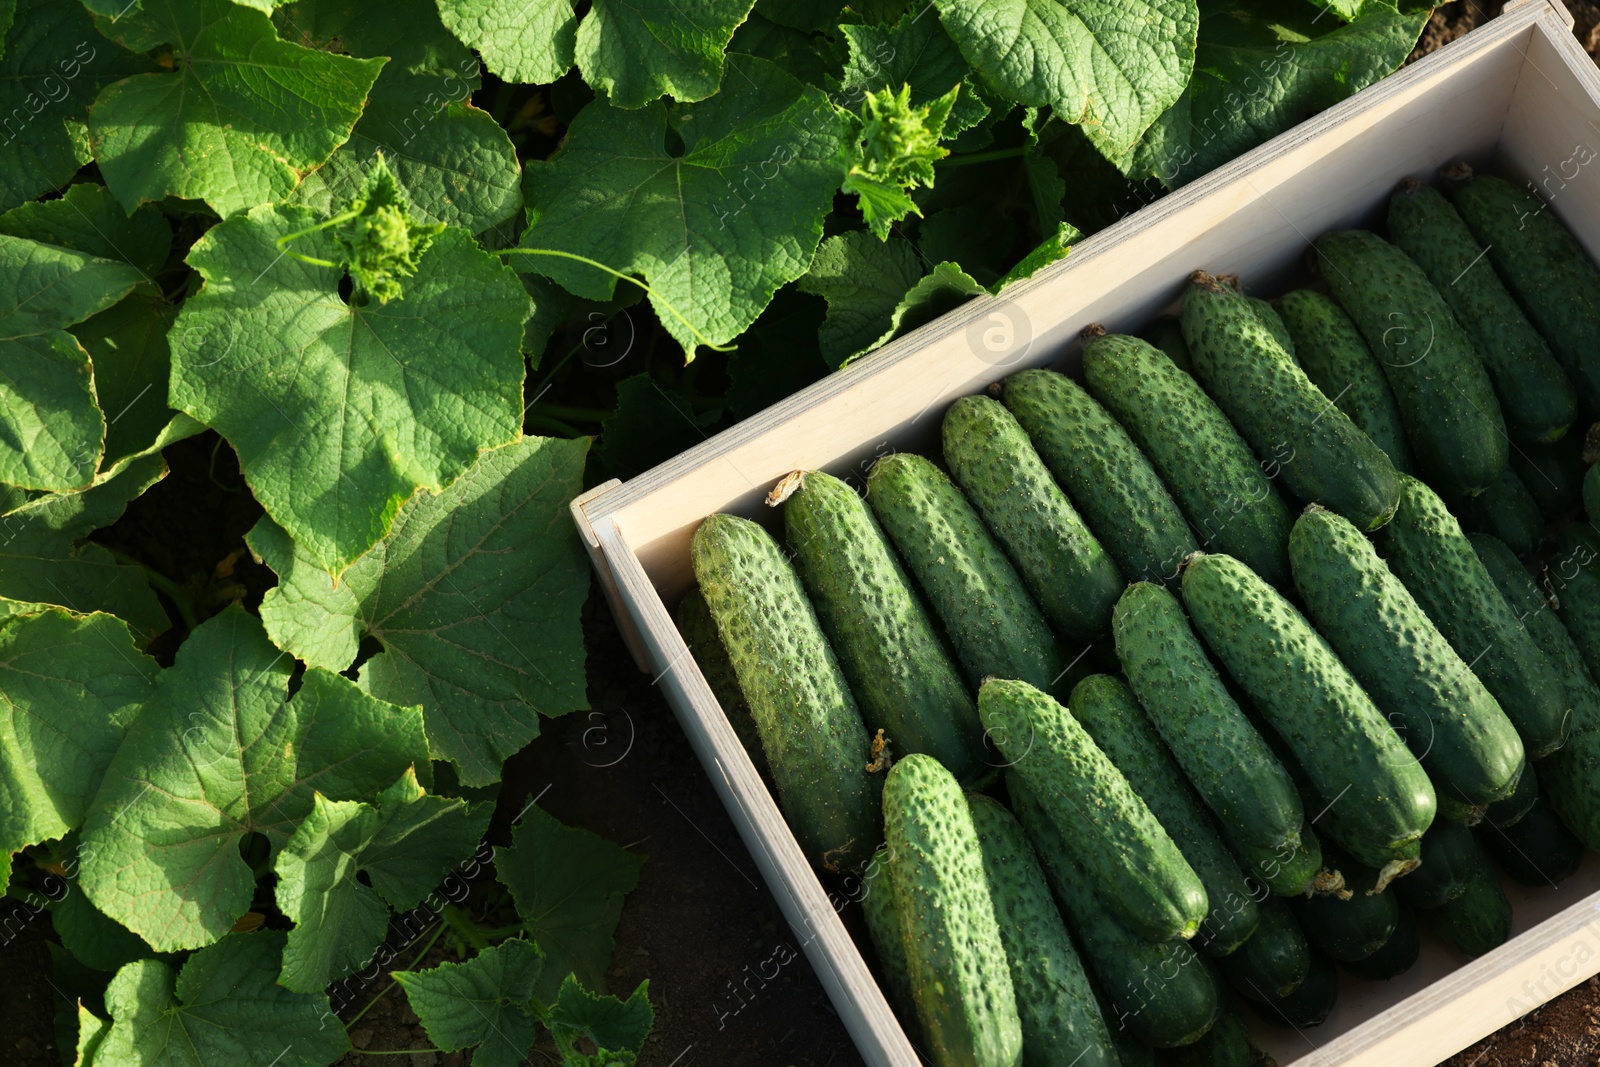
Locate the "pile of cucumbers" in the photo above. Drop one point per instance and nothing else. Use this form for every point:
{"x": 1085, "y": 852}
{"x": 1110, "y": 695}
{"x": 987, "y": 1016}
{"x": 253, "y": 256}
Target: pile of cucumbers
{"x": 1176, "y": 686}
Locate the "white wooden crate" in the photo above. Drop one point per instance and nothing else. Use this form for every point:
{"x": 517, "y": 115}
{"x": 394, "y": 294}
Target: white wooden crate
{"x": 1518, "y": 96}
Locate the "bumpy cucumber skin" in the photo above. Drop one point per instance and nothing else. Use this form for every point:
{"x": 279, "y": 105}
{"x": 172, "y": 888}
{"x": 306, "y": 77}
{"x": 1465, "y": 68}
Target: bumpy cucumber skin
{"x": 1538, "y": 851}
{"x": 994, "y": 625}
{"x": 1545, "y": 268}
{"x": 1479, "y": 919}
{"x": 1159, "y": 990}
{"x": 1348, "y": 749}
{"x": 1166, "y": 334}
{"x": 1226, "y": 759}
{"x": 1112, "y": 483}
{"x": 1275, "y": 960}
{"x": 1507, "y": 511}
{"x": 1061, "y": 1023}
{"x": 1226, "y": 496}
{"x": 888, "y": 938}
{"x": 1425, "y": 548}
{"x": 1450, "y": 854}
{"x": 1398, "y": 955}
{"x": 811, "y": 730}
{"x": 1354, "y": 927}
{"x": 1227, "y": 1044}
{"x": 1063, "y": 564}
{"x": 1108, "y": 710}
{"x": 699, "y": 632}
{"x": 1553, "y": 474}
{"x": 1466, "y": 743}
{"x": 1113, "y": 832}
{"x": 1336, "y": 358}
{"x": 1573, "y": 575}
{"x": 1311, "y": 1003}
{"x": 1289, "y": 870}
{"x": 1257, "y": 383}
{"x": 1571, "y": 774}
{"x": 1446, "y": 400}
{"x": 957, "y": 964}
{"x": 1536, "y": 398}
{"x": 897, "y": 668}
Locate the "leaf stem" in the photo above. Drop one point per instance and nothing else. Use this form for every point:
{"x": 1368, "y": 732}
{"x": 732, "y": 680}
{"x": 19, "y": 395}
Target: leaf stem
{"x": 563, "y": 411}
{"x": 461, "y": 924}
{"x": 505, "y": 931}
{"x": 700, "y": 337}
{"x": 982, "y": 157}
{"x": 282, "y": 242}
{"x": 438, "y": 930}
{"x": 179, "y": 595}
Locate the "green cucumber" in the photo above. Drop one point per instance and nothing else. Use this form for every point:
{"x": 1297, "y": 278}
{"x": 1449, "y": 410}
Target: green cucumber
{"x": 1538, "y": 851}
{"x": 1573, "y": 576}
{"x": 1224, "y": 493}
{"x": 1449, "y": 856}
{"x": 888, "y": 939}
{"x": 1553, "y": 474}
{"x": 1569, "y": 776}
{"x": 1227, "y": 1044}
{"x": 699, "y": 632}
{"x": 957, "y": 964}
{"x": 1165, "y": 333}
{"x": 1451, "y": 416}
{"x": 1064, "y": 566}
{"x": 1426, "y": 549}
{"x": 1108, "y": 710}
{"x": 1112, "y": 483}
{"x": 1312, "y": 1001}
{"x": 1111, "y": 830}
{"x": 1465, "y": 741}
{"x": 1479, "y": 919}
{"x": 811, "y": 730}
{"x": 1354, "y": 924}
{"x": 1347, "y": 748}
{"x": 1336, "y": 357}
{"x": 1275, "y": 960}
{"x": 1514, "y": 808}
{"x": 1505, "y": 510}
{"x": 1542, "y": 264}
{"x": 1266, "y": 315}
{"x": 897, "y": 668}
{"x": 1536, "y": 398}
{"x": 1322, "y": 456}
{"x": 1289, "y": 870}
{"x": 991, "y": 621}
{"x": 1397, "y": 956}
{"x": 1226, "y": 759}
{"x": 1061, "y": 1023}
{"x": 1159, "y": 990}
{"x": 1131, "y": 1050}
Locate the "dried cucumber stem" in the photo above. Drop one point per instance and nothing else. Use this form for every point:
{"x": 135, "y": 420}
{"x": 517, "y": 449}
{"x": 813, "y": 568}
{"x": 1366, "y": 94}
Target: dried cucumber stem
{"x": 1392, "y": 870}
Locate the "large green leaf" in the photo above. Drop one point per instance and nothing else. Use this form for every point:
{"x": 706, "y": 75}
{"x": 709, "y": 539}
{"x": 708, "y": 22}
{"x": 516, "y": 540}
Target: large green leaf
{"x": 485, "y": 1001}
{"x": 618, "y": 1028}
{"x": 633, "y": 50}
{"x": 93, "y": 939}
{"x": 45, "y": 561}
{"x": 716, "y": 204}
{"x": 1262, "y": 68}
{"x": 404, "y": 844}
{"x": 127, "y": 343}
{"x": 452, "y": 594}
{"x": 455, "y": 162}
{"x": 218, "y": 754}
{"x": 53, "y": 64}
{"x": 862, "y": 279}
{"x": 568, "y": 886}
{"x": 223, "y": 1009}
{"x": 51, "y": 431}
{"x": 340, "y": 413}
{"x": 69, "y": 686}
{"x": 1111, "y": 65}
{"x": 239, "y": 120}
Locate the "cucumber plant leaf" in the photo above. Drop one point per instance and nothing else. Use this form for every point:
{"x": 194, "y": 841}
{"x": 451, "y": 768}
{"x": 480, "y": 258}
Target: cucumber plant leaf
{"x": 455, "y": 161}
{"x": 53, "y": 62}
{"x": 717, "y": 204}
{"x": 92, "y": 1031}
{"x": 862, "y": 279}
{"x": 217, "y": 754}
{"x": 404, "y": 844}
{"x": 485, "y": 1002}
{"x": 450, "y": 594}
{"x": 341, "y": 412}
{"x": 52, "y": 433}
{"x": 632, "y": 50}
{"x": 1112, "y": 66}
{"x": 215, "y": 126}
{"x": 617, "y": 1028}
{"x": 1262, "y": 68}
{"x": 916, "y": 52}
{"x": 69, "y": 687}
{"x": 95, "y": 940}
{"x": 223, "y": 1007}
{"x": 568, "y": 886}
